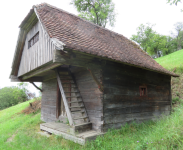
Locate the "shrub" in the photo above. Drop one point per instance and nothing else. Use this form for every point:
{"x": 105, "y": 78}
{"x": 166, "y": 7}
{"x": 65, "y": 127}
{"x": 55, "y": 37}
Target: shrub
{"x": 10, "y": 96}
{"x": 179, "y": 69}
{"x": 175, "y": 100}
{"x": 177, "y": 93}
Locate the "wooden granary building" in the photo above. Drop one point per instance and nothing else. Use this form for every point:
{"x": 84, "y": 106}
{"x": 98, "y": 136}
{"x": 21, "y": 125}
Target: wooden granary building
{"x": 92, "y": 78}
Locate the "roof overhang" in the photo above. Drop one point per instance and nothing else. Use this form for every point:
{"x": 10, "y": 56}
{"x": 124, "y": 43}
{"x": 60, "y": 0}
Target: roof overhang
{"x": 30, "y": 20}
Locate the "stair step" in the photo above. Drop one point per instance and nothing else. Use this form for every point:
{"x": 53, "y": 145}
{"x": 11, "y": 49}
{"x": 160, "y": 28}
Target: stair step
{"x": 71, "y": 92}
{"x": 78, "y": 111}
{"x": 76, "y": 106}
{"x": 75, "y": 102}
{"x": 84, "y": 127}
{"x": 69, "y": 87}
{"x": 72, "y": 96}
{"x": 79, "y": 118}
{"x": 67, "y": 83}
{"x": 64, "y": 75}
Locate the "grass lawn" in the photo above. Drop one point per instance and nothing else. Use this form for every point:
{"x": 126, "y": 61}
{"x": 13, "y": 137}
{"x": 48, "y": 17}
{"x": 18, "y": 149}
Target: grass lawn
{"x": 24, "y": 128}
{"x": 163, "y": 134}
{"x": 172, "y": 60}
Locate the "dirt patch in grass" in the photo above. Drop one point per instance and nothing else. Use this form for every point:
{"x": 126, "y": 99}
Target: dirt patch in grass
{"x": 33, "y": 107}
{"x": 12, "y": 137}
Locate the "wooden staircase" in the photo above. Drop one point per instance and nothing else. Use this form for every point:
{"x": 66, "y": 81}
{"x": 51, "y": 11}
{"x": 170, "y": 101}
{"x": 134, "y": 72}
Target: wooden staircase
{"x": 74, "y": 105}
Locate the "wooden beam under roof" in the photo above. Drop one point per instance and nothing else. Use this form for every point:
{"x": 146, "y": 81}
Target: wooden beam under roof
{"x": 33, "y": 79}
{"x": 40, "y": 70}
{"x": 76, "y": 59}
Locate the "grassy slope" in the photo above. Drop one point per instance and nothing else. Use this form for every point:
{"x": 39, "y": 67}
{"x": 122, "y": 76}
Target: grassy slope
{"x": 166, "y": 133}
{"x": 172, "y": 60}
{"x": 25, "y": 128}
{"x": 163, "y": 134}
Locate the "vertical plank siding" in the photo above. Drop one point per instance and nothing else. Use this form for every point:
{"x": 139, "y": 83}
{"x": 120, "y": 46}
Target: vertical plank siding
{"x": 122, "y": 101}
{"x": 91, "y": 96}
{"x": 37, "y": 55}
{"x": 48, "y": 104}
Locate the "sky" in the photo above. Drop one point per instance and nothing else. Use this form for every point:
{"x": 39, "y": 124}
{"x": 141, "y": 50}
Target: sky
{"x": 130, "y": 14}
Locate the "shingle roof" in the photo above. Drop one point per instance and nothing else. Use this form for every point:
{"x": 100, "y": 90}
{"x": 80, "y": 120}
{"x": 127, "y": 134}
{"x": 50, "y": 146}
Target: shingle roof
{"x": 84, "y": 36}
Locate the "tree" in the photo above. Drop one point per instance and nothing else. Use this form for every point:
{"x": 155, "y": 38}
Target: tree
{"x": 100, "y": 12}
{"x": 153, "y": 43}
{"x": 173, "y": 2}
{"x": 178, "y": 34}
{"x": 157, "y": 45}
{"x": 144, "y": 34}
{"x": 24, "y": 87}
{"x": 10, "y": 96}
{"x": 171, "y": 45}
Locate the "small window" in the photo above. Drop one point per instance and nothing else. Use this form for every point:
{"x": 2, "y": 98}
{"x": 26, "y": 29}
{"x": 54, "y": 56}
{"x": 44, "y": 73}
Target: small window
{"x": 143, "y": 90}
{"x": 33, "y": 40}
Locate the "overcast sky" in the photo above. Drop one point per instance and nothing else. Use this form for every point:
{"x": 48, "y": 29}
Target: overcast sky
{"x": 131, "y": 13}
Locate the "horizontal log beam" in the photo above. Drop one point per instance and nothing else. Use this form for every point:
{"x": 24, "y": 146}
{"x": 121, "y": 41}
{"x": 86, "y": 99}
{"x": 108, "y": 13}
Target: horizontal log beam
{"x": 33, "y": 79}
{"x": 57, "y": 57}
{"x": 78, "y": 60}
{"x": 41, "y": 70}
{"x": 14, "y": 79}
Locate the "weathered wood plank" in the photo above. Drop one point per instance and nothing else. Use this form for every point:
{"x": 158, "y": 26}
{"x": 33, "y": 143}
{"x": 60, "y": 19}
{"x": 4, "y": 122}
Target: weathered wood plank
{"x": 41, "y": 70}
{"x": 82, "y": 127}
{"x": 64, "y": 100}
{"x": 15, "y": 79}
{"x": 48, "y": 102}
{"x": 122, "y": 102}
{"x": 91, "y": 95}
{"x": 65, "y": 135}
{"x": 36, "y": 55}
{"x": 57, "y": 57}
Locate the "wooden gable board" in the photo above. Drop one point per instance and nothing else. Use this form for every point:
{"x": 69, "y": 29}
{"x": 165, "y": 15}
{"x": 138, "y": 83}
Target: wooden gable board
{"x": 37, "y": 55}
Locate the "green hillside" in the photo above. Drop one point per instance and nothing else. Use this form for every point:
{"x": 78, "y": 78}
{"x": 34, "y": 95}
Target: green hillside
{"x": 171, "y": 61}
{"x": 19, "y": 132}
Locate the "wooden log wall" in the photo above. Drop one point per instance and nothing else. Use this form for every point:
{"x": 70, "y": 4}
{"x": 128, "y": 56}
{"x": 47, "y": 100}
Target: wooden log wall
{"x": 122, "y": 102}
{"x": 91, "y": 96}
{"x": 48, "y": 104}
{"x": 40, "y": 53}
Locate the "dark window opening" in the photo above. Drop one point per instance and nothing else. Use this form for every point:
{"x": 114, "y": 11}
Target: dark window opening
{"x": 143, "y": 90}
{"x": 33, "y": 40}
